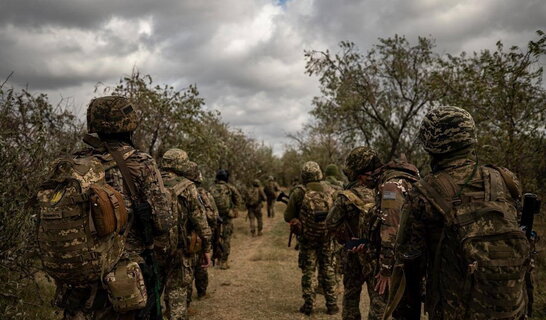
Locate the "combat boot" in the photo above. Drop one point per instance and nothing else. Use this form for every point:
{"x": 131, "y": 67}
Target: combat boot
{"x": 224, "y": 265}
{"x": 332, "y": 309}
{"x": 253, "y": 233}
{"x": 260, "y": 233}
{"x": 306, "y": 309}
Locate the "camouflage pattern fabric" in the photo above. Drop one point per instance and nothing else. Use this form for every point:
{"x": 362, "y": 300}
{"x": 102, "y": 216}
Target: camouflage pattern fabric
{"x": 271, "y": 189}
{"x": 447, "y": 129}
{"x": 255, "y": 219}
{"x": 148, "y": 180}
{"x": 310, "y": 171}
{"x": 359, "y": 161}
{"x": 352, "y": 219}
{"x": 331, "y": 174}
{"x": 227, "y": 232}
{"x": 178, "y": 288}
{"x": 421, "y": 231}
{"x": 175, "y": 160}
{"x": 111, "y": 114}
{"x": 312, "y": 255}
{"x": 201, "y": 275}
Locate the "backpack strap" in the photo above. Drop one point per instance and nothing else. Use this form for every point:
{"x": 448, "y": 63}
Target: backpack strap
{"x": 125, "y": 172}
{"x": 181, "y": 186}
{"x": 509, "y": 181}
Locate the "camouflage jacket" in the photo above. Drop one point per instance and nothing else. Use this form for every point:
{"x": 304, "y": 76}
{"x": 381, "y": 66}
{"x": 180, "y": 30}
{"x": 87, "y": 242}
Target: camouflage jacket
{"x": 334, "y": 182}
{"x": 191, "y": 212}
{"x": 271, "y": 188}
{"x": 211, "y": 210}
{"x": 421, "y": 231}
{"x": 236, "y": 200}
{"x": 148, "y": 182}
{"x": 350, "y": 217}
{"x": 391, "y": 195}
{"x": 254, "y": 195}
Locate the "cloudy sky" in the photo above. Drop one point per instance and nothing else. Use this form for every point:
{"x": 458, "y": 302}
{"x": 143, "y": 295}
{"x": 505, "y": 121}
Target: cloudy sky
{"x": 246, "y": 56}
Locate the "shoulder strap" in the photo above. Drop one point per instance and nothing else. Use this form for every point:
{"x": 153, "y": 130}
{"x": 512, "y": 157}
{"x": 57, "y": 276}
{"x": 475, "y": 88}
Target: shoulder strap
{"x": 181, "y": 186}
{"x": 434, "y": 196}
{"x": 509, "y": 181}
{"x": 125, "y": 172}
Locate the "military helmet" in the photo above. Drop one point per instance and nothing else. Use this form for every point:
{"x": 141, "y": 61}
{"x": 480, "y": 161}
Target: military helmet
{"x": 270, "y": 178}
{"x": 256, "y": 182}
{"x": 175, "y": 159}
{"x": 331, "y": 170}
{"x": 310, "y": 171}
{"x": 361, "y": 160}
{"x": 191, "y": 171}
{"x": 447, "y": 129}
{"x": 222, "y": 175}
{"x": 111, "y": 114}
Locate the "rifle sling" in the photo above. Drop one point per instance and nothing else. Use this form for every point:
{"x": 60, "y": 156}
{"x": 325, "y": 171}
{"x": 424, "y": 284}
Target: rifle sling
{"x": 395, "y": 296}
{"x": 125, "y": 172}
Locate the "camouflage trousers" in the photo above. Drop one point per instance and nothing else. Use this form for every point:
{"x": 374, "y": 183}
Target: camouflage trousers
{"x": 72, "y": 301}
{"x": 337, "y": 263}
{"x": 355, "y": 275}
{"x": 255, "y": 215}
{"x": 201, "y": 277}
{"x": 178, "y": 287}
{"x": 227, "y": 232}
{"x": 270, "y": 207}
{"x": 311, "y": 255}
{"x": 107, "y": 314}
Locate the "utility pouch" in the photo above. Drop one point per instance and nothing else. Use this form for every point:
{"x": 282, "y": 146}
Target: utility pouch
{"x": 126, "y": 287}
{"x": 108, "y": 209}
{"x": 194, "y": 243}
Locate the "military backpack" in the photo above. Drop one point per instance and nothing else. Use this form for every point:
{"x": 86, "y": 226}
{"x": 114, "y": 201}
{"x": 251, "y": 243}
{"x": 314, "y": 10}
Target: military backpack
{"x": 83, "y": 221}
{"x": 314, "y": 208}
{"x": 481, "y": 242}
{"x": 222, "y": 197}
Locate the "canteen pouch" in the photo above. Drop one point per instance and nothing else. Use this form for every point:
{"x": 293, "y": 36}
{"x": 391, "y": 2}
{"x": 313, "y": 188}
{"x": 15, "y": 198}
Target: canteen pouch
{"x": 126, "y": 288}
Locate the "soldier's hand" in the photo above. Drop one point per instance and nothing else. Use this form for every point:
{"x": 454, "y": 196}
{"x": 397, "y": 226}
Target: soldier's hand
{"x": 382, "y": 284}
{"x": 207, "y": 261}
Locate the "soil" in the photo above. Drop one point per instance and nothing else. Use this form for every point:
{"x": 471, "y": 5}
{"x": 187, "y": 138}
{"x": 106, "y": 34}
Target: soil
{"x": 263, "y": 281}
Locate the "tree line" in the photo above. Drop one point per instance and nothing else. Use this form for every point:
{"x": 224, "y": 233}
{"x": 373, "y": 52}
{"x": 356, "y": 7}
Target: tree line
{"x": 375, "y": 98}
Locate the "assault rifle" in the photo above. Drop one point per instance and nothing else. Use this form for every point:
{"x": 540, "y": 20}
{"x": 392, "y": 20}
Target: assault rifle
{"x": 282, "y": 197}
{"x": 531, "y": 207}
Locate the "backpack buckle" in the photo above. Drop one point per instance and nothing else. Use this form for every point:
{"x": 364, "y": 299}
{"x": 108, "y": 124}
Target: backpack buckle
{"x": 456, "y": 201}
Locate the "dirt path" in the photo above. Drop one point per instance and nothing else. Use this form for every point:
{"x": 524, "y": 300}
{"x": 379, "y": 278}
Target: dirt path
{"x": 263, "y": 281}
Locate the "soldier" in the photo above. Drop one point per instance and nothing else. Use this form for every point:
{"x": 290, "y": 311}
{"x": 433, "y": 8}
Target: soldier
{"x": 350, "y": 218}
{"x": 200, "y": 273}
{"x": 194, "y": 233}
{"x": 227, "y": 199}
{"x": 463, "y": 219}
{"x": 307, "y": 207}
{"x": 393, "y": 183}
{"x": 134, "y": 176}
{"x": 271, "y": 190}
{"x": 331, "y": 174}
{"x": 254, "y": 198}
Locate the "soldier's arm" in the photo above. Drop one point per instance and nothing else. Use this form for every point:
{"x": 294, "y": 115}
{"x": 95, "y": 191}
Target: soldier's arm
{"x": 262, "y": 195}
{"x": 392, "y": 197}
{"x": 236, "y": 197}
{"x": 294, "y": 204}
{"x": 197, "y": 216}
{"x": 412, "y": 234}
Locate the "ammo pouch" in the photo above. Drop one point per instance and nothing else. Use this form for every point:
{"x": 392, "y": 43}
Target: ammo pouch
{"x": 126, "y": 288}
{"x": 194, "y": 243}
{"x": 108, "y": 209}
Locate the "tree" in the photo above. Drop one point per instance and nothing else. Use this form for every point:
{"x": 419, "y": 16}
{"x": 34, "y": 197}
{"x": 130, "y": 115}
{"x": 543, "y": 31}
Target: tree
{"x": 375, "y": 99}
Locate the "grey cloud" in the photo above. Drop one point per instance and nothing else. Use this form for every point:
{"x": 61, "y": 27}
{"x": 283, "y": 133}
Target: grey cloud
{"x": 68, "y": 45}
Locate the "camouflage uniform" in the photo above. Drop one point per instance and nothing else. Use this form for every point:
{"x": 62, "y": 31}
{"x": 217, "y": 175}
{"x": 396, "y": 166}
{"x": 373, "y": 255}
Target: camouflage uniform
{"x": 221, "y": 186}
{"x": 271, "y": 189}
{"x": 394, "y": 184}
{"x": 352, "y": 217}
{"x": 448, "y": 135}
{"x": 254, "y": 207}
{"x": 331, "y": 174}
{"x": 112, "y": 118}
{"x": 313, "y": 253}
{"x": 191, "y": 218}
{"x": 201, "y": 274}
